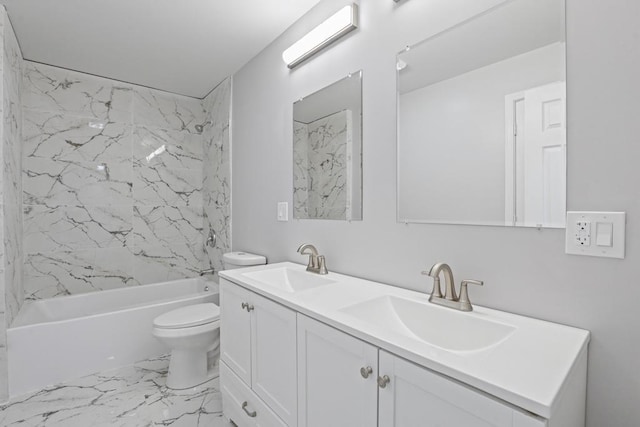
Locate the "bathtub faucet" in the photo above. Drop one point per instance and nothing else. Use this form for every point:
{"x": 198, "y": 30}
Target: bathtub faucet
{"x": 208, "y": 271}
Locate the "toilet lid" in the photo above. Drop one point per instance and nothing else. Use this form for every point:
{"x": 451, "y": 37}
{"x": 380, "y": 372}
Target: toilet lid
{"x": 185, "y": 317}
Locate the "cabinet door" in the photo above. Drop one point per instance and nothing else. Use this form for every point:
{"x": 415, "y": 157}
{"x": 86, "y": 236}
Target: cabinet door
{"x": 332, "y": 391}
{"x": 273, "y": 349}
{"x": 416, "y": 396}
{"x": 235, "y": 329}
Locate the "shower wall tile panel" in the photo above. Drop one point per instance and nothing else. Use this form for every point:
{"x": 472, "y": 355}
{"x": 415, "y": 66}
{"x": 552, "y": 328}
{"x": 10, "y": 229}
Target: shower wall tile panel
{"x": 160, "y": 263}
{"x": 300, "y": 170}
{"x": 66, "y": 183}
{"x": 113, "y": 179}
{"x": 11, "y": 250}
{"x": 55, "y": 89}
{"x": 61, "y": 273}
{"x": 69, "y": 228}
{"x": 217, "y": 174}
{"x": 320, "y": 167}
{"x": 61, "y": 137}
{"x": 167, "y": 111}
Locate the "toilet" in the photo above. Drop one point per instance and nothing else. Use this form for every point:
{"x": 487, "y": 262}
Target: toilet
{"x": 233, "y": 260}
{"x": 192, "y": 332}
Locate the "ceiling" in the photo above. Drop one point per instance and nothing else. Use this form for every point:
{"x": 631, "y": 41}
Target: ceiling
{"x": 185, "y": 47}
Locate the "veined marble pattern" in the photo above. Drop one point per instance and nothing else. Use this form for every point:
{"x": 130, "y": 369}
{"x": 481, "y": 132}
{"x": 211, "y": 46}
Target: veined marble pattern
{"x": 72, "y": 228}
{"x": 167, "y": 111}
{"x": 167, "y": 167}
{"x": 157, "y": 185}
{"x": 11, "y": 283}
{"x": 58, "y": 136}
{"x": 128, "y": 397}
{"x": 12, "y": 165}
{"x": 53, "y": 89}
{"x": 216, "y": 104}
{"x": 326, "y": 167}
{"x": 169, "y": 148}
{"x": 111, "y": 169}
{"x": 300, "y": 170}
{"x": 76, "y": 183}
{"x": 153, "y": 264}
{"x": 217, "y": 174}
{"x": 54, "y": 274}
{"x": 158, "y": 225}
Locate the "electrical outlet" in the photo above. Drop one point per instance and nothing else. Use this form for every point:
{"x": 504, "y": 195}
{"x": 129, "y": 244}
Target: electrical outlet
{"x": 600, "y": 234}
{"x": 583, "y": 233}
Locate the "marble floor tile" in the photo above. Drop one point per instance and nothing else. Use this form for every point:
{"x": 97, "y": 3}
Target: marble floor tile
{"x": 128, "y": 397}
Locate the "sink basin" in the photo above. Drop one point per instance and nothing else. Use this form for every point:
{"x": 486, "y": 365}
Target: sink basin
{"x": 289, "y": 280}
{"x": 438, "y": 326}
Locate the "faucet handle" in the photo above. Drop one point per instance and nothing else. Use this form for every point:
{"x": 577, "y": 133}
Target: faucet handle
{"x": 322, "y": 265}
{"x": 436, "y": 292}
{"x": 465, "y": 304}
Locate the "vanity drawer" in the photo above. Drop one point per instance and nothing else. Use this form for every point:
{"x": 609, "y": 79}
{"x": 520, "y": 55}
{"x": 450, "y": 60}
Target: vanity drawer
{"x": 235, "y": 394}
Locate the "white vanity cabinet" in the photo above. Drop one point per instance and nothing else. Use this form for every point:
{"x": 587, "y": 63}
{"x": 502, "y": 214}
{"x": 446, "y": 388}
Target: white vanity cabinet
{"x": 300, "y": 350}
{"x": 336, "y": 377}
{"x": 332, "y": 367}
{"x": 258, "y": 358}
{"x": 416, "y": 396}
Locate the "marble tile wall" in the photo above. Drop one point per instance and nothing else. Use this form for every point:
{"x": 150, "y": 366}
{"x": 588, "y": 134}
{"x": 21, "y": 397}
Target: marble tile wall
{"x": 113, "y": 179}
{"x": 11, "y": 286}
{"x": 217, "y": 173}
{"x": 321, "y": 167}
{"x": 300, "y": 170}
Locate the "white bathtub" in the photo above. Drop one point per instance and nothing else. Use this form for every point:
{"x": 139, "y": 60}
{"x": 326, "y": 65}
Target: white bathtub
{"x": 58, "y": 339}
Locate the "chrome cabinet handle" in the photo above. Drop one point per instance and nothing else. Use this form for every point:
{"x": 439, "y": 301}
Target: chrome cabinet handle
{"x": 252, "y": 414}
{"x": 366, "y": 371}
{"x": 247, "y": 306}
{"x": 383, "y": 381}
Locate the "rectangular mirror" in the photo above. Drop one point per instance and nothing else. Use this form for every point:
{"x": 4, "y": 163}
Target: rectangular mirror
{"x": 327, "y": 152}
{"x": 481, "y": 120}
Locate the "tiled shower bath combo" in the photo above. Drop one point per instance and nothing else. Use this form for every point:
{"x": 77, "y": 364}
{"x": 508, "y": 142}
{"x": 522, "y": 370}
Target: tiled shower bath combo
{"x": 105, "y": 185}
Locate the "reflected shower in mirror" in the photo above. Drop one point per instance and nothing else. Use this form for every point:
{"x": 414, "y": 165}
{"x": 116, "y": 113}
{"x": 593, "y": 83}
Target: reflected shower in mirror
{"x": 327, "y": 152}
{"x": 481, "y": 116}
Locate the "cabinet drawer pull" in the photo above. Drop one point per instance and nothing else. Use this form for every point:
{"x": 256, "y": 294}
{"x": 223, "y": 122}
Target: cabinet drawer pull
{"x": 252, "y": 414}
{"x": 383, "y": 381}
{"x": 365, "y": 372}
{"x": 247, "y": 306}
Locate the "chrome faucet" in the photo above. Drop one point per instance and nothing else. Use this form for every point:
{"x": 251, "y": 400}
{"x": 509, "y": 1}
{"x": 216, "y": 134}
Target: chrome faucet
{"x": 211, "y": 239}
{"x": 207, "y": 271}
{"x": 450, "y": 298}
{"x": 316, "y": 263}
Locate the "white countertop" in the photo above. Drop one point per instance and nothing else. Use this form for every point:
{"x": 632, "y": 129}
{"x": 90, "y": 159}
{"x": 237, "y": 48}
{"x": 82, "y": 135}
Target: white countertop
{"x": 528, "y": 369}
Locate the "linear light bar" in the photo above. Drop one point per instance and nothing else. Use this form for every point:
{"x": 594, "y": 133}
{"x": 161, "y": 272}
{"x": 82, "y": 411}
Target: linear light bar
{"x": 345, "y": 20}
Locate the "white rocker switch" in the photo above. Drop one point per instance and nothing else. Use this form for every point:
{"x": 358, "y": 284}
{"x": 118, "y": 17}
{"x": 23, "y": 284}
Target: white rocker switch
{"x": 604, "y": 234}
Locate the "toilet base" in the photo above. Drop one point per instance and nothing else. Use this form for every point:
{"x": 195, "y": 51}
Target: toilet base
{"x": 188, "y": 369}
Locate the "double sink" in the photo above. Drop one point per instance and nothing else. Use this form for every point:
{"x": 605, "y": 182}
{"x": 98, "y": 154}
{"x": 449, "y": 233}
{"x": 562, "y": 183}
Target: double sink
{"x": 411, "y": 319}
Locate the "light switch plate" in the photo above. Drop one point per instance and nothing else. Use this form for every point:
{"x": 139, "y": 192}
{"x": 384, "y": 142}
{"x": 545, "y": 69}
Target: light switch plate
{"x": 586, "y": 234}
{"x": 283, "y": 211}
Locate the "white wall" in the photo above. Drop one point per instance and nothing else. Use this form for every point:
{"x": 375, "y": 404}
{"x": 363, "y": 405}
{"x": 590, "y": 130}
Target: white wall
{"x": 525, "y": 270}
{"x": 452, "y": 138}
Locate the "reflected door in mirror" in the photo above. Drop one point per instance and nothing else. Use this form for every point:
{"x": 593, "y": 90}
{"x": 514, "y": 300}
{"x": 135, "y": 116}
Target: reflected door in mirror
{"x": 481, "y": 116}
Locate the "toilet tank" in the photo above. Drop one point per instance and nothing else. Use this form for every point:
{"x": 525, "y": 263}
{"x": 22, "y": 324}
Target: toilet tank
{"x": 233, "y": 260}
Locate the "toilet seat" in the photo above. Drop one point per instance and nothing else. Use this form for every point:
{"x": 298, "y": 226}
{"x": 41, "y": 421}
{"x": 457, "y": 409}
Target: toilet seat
{"x": 188, "y": 317}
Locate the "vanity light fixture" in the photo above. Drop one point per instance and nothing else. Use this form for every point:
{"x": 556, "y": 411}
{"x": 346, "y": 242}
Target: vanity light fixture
{"x": 342, "y": 22}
